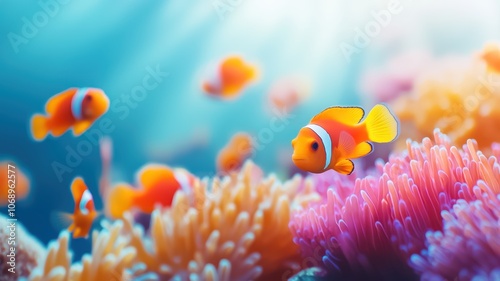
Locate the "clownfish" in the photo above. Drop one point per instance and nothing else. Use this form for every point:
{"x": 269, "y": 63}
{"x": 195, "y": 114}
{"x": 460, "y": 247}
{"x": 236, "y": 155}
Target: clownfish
{"x": 84, "y": 213}
{"x": 14, "y": 184}
{"x": 234, "y": 154}
{"x": 491, "y": 55}
{"x": 75, "y": 108}
{"x": 337, "y": 134}
{"x": 232, "y": 75}
{"x": 157, "y": 185}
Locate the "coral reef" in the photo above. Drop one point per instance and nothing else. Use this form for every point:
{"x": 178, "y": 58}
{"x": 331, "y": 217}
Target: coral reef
{"x": 371, "y": 232}
{"x": 459, "y": 96}
{"x": 29, "y": 252}
{"x": 236, "y": 229}
{"x": 430, "y": 212}
{"x": 232, "y": 229}
{"x": 109, "y": 259}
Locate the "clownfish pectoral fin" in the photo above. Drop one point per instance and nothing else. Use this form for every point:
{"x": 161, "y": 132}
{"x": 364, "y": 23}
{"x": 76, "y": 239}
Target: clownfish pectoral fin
{"x": 381, "y": 125}
{"x": 347, "y": 145}
{"x": 54, "y": 102}
{"x": 120, "y": 200}
{"x": 81, "y": 126}
{"x": 361, "y": 150}
{"x": 78, "y": 187}
{"x": 39, "y": 128}
{"x": 344, "y": 166}
{"x": 61, "y": 220}
{"x": 344, "y": 115}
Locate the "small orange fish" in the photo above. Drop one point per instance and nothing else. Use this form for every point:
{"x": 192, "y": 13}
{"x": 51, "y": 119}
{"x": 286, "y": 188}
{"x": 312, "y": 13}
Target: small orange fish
{"x": 75, "y": 108}
{"x": 491, "y": 55}
{"x": 231, "y": 77}
{"x": 337, "y": 134}
{"x": 157, "y": 186}
{"x": 84, "y": 214}
{"x": 234, "y": 154}
{"x": 12, "y": 178}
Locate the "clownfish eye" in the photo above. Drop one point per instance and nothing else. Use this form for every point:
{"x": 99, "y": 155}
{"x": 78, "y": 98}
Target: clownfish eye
{"x": 88, "y": 97}
{"x": 314, "y": 146}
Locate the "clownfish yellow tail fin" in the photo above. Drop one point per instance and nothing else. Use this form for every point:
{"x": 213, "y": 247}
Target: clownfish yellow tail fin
{"x": 39, "y": 128}
{"x": 120, "y": 200}
{"x": 381, "y": 125}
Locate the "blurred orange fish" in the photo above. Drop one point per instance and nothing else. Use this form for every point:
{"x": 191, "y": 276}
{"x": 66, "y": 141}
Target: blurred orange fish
{"x": 286, "y": 94}
{"x": 234, "y": 154}
{"x": 491, "y": 55}
{"x": 231, "y": 77}
{"x": 157, "y": 185}
{"x": 337, "y": 134}
{"x": 84, "y": 214}
{"x": 75, "y": 108}
{"x": 11, "y": 178}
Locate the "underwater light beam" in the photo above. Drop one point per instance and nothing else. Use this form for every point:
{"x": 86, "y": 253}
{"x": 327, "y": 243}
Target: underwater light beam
{"x": 121, "y": 105}
{"x": 371, "y": 30}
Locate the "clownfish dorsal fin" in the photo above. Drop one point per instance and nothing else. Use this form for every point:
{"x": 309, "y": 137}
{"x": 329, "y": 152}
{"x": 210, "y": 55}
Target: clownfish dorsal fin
{"x": 346, "y": 115}
{"x": 54, "y": 102}
{"x": 77, "y": 188}
{"x": 151, "y": 174}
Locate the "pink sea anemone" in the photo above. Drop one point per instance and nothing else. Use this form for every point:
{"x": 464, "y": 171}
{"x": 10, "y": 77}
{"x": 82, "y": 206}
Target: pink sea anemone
{"x": 371, "y": 231}
{"x": 468, "y": 248}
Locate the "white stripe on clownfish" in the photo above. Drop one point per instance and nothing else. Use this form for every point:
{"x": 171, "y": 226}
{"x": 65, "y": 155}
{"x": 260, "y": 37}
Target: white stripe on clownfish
{"x": 86, "y": 197}
{"x": 325, "y": 139}
{"x": 77, "y": 101}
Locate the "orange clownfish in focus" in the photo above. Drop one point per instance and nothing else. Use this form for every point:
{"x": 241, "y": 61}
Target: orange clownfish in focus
{"x": 75, "y": 108}
{"x": 337, "y": 134}
{"x": 84, "y": 214}
{"x": 231, "y": 77}
{"x": 157, "y": 186}
{"x": 491, "y": 55}
{"x": 234, "y": 154}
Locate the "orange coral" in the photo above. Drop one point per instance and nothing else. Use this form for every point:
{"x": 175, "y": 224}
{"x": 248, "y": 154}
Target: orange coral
{"x": 236, "y": 230}
{"x": 461, "y": 97}
{"x": 110, "y": 258}
{"x": 232, "y": 229}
